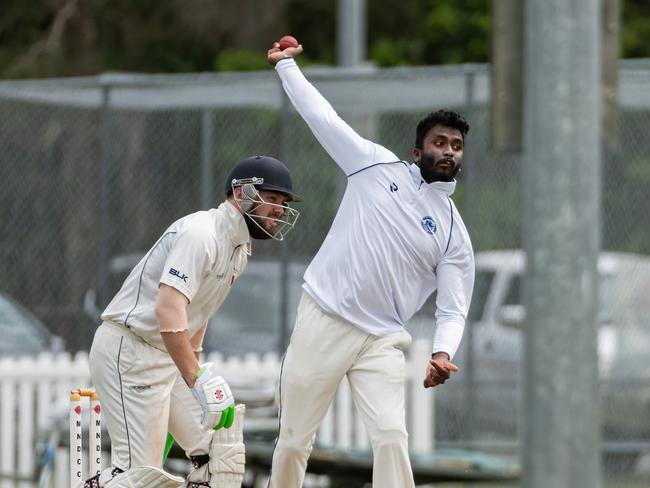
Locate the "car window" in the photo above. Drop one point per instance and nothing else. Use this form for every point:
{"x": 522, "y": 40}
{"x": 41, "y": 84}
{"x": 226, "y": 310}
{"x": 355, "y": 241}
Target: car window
{"x": 624, "y": 295}
{"x": 482, "y": 285}
{"x": 10, "y": 314}
{"x": 254, "y": 300}
{"x": 515, "y": 293}
{"x": 607, "y": 300}
{"x": 21, "y": 332}
{"x": 250, "y": 319}
{"x": 607, "y": 303}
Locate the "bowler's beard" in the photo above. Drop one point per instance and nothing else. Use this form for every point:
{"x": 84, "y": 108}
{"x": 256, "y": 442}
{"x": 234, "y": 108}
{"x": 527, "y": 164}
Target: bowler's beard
{"x": 253, "y": 229}
{"x": 431, "y": 172}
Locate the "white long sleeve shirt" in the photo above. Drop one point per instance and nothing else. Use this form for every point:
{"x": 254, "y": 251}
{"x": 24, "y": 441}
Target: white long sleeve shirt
{"x": 395, "y": 238}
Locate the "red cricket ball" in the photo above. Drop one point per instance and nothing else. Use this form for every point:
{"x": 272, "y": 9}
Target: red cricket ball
{"x": 288, "y": 41}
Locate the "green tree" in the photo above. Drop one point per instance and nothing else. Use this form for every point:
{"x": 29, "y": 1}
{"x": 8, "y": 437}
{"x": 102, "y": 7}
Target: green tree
{"x": 41, "y": 38}
{"x": 457, "y": 32}
{"x": 635, "y": 42}
{"x": 72, "y": 37}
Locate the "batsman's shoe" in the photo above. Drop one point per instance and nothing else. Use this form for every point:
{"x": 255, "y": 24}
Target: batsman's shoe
{"x": 100, "y": 480}
{"x": 145, "y": 477}
{"x": 215, "y": 398}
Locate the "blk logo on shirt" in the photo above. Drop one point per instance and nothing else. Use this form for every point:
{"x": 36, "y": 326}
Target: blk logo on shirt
{"x": 393, "y": 187}
{"x": 178, "y": 274}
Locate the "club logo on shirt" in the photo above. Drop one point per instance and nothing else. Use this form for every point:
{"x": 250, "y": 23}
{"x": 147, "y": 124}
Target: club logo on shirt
{"x": 428, "y": 224}
{"x": 178, "y": 274}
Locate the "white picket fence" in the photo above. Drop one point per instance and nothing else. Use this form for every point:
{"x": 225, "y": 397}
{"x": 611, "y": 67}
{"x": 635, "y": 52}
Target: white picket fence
{"x": 33, "y": 391}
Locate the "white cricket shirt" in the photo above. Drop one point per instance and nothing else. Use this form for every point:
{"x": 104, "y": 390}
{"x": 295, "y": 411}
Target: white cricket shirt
{"x": 200, "y": 255}
{"x": 395, "y": 238}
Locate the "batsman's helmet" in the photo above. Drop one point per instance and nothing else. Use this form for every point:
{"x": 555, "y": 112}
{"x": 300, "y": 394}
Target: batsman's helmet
{"x": 271, "y": 173}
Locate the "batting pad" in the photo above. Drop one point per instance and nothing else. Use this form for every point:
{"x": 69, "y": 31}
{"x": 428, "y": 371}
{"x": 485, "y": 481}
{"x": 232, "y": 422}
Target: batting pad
{"x": 228, "y": 454}
{"x": 145, "y": 477}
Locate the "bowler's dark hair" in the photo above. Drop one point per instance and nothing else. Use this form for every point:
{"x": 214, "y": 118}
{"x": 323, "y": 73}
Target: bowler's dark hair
{"x": 446, "y": 118}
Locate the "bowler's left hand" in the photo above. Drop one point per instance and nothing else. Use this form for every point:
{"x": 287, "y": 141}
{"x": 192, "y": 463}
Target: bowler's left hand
{"x": 439, "y": 370}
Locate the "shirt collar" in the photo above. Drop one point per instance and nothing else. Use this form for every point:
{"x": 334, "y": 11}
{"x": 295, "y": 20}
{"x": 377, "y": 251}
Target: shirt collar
{"x": 240, "y": 234}
{"x": 447, "y": 187}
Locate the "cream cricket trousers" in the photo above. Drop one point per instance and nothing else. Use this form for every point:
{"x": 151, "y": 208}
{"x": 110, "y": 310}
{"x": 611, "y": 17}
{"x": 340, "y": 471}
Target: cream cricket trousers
{"x": 143, "y": 397}
{"x": 323, "y": 349}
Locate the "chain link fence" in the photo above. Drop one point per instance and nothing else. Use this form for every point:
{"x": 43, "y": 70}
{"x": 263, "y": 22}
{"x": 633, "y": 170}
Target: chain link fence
{"x": 94, "y": 169}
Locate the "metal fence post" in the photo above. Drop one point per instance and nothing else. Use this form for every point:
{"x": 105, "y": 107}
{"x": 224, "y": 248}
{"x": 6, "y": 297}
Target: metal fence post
{"x": 470, "y": 207}
{"x": 561, "y": 175}
{"x": 285, "y": 120}
{"x": 351, "y": 32}
{"x": 105, "y": 161}
{"x": 207, "y": 156}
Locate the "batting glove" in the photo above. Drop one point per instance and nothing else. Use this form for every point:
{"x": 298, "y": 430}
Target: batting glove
{"x": 215, "y": 398}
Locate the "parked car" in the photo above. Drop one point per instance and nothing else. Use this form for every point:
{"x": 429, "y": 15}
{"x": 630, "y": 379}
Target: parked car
{"x": 252, "y": 318}
{"x": 497, "y": 320}
{"x": 22, "y": 333}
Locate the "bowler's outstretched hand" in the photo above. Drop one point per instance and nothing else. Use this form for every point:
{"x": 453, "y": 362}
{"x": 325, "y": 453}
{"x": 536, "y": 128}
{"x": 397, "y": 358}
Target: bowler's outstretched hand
{"x": 439, "y": 370}
{"x": 275, "y": 54}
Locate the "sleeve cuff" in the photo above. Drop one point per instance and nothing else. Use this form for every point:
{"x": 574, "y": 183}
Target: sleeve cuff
{"x": 447, "y": 338}
{"x": 288, "y": 61}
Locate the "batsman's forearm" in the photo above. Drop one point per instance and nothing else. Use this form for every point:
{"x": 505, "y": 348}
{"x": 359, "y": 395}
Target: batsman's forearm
{"x": 171, "y": 312}
{"x": 179, "y": 348}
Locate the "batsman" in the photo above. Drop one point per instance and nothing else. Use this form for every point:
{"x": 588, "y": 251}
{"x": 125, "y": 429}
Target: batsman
{"x": 144, "y": 360}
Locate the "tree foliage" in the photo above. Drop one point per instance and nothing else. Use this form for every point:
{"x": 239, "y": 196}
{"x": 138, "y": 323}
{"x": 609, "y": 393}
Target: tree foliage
{"x": 73, "y": 37}
{"x": 635, "y": 38}
{"x": 409, "y": 32}
{"x": 78, "y": 37}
